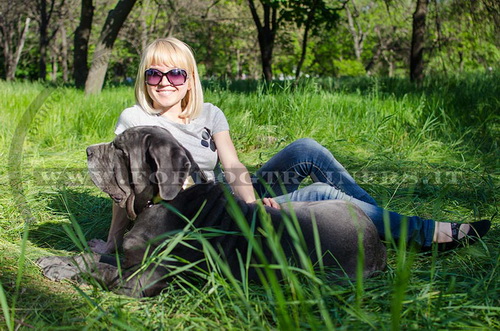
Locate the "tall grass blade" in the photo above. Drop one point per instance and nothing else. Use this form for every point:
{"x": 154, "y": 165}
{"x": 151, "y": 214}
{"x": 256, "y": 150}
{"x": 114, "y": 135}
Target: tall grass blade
{"x": 404, "y": 262}
{"x": 5, "y": 309}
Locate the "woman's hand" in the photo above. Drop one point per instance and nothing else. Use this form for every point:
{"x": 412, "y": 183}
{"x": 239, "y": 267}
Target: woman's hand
{"x": 271, "y": 203}
{"x": 241, "y": 182}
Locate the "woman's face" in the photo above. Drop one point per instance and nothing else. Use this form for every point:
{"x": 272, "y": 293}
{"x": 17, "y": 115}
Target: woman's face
{"x": 166, "y": 96}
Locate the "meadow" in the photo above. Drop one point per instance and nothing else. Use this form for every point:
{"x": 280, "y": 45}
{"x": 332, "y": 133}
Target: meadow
{"x": 429, "y": 150}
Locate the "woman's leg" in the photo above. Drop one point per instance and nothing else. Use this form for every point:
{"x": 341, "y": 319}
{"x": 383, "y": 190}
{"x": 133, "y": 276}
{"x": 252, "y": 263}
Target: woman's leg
{"x": 302, "y": 158}
{"x": 419, "y": 230}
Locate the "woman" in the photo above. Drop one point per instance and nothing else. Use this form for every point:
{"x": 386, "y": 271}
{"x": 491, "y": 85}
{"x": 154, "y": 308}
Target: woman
{"x": 168, "y": 93}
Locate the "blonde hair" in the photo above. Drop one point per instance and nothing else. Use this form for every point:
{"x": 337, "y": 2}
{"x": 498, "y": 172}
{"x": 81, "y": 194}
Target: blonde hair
{"x": 172, "y": 52}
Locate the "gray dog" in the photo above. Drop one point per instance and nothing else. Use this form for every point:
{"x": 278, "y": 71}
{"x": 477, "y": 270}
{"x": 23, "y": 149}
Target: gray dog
{"x": 147, "y": 162}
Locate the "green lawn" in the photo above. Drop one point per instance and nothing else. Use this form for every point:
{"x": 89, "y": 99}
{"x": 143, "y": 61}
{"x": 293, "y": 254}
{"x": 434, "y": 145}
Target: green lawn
{"x": 430, "y": 151}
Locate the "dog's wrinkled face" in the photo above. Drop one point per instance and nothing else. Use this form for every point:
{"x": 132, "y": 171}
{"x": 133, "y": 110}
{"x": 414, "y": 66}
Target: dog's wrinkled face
{"x": 101, "y": 161}
{"x": 140, "y": 163}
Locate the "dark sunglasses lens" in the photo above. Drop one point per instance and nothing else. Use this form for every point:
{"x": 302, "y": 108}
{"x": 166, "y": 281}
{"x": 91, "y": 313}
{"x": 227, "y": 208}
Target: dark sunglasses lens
{"x": 205, "y": 135}
{"x": 177, "y": 76}
{"x": 153, "y": 77}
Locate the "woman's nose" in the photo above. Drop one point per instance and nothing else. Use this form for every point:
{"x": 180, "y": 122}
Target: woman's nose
{"x": 164, "y": 81}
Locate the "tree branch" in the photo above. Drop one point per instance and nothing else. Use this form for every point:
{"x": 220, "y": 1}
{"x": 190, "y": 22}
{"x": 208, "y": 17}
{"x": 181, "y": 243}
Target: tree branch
{"x": 255, "y": 15}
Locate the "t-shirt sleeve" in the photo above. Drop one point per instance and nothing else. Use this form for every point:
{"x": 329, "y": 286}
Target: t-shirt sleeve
{"x": 126, "y": 120}
{"x": 219, "y": 121}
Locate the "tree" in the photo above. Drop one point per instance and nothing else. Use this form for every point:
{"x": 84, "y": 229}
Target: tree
{"x": 308, "y": 13}
{"x": 267, "y": 27}
{"x": 418, "y": 41}
{"x": 374, "y": 37}
{"x": 235, "y": 55}
{"x": 357, "y": 33}
{"x": 312, "y": 15}
{"x": 45, "y": 12}
{"x": 13, "y": 33}
{"x": 102, "y": 53}
{"x": 81, "y": 44}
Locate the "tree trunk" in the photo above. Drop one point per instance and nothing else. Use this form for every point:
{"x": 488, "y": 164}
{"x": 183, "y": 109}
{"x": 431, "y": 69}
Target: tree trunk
{"x": 64, "y": 54}
{"x": 238, "y": 65}
{"x": 11, "y": 60}
{"x": 310, "y": 18}
{"x": 81, "y": 44}
{"x": 102, "y": 53}
{"x": 266, "y": 43}
{"x": 356, "y": 32}
{"x": 46, "y": 10}
{"x": 44, "y": 39}
{"x": 143, "y": 24}
{"x": 418, "y": 41}
{"x": 266, "y": 36}
{"x": 53, "y": 73}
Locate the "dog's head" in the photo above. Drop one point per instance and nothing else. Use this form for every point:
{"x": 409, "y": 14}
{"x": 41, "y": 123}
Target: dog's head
{"x": 139, "y": 164}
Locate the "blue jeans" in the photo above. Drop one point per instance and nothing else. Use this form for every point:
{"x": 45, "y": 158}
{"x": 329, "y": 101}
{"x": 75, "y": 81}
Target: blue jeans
{"x": 283, "y": 173}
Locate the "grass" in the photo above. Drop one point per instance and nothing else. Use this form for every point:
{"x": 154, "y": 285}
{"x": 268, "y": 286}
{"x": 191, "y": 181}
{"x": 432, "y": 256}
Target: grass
{"x": 430, "y": 150}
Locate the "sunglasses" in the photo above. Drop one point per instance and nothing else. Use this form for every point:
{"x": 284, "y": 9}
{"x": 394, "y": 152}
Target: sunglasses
{"x": 175, "y": 76}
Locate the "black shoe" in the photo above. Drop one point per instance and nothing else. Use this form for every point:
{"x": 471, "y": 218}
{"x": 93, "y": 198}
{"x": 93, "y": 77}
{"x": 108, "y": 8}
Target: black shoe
{"x": 477, "y": 230}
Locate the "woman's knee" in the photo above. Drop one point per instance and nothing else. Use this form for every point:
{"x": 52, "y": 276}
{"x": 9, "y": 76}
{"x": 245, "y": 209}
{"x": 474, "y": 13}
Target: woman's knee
{"x": 305, "y": 143}
{"x": 307, "y": 146}
{"x": 314, "y": 151}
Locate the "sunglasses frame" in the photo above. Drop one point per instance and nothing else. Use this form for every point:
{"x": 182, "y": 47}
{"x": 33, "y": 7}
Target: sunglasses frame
{"x": 165, "y": 74}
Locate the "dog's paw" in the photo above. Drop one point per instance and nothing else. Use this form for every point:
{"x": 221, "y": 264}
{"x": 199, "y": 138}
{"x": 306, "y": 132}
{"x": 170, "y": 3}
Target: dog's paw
{"x": 57, "y": 268}
{"x": 99, "y": 246}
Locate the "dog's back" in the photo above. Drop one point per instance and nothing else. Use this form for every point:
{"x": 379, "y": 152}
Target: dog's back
{"x": 334, "y": 226}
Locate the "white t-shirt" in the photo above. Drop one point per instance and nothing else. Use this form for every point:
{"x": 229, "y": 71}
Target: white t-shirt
{"x": 196, "y": 136}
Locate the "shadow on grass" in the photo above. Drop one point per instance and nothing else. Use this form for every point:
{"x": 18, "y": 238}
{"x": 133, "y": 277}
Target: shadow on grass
{"x": 41, "y": 303}
{"x": 92, "y": 213}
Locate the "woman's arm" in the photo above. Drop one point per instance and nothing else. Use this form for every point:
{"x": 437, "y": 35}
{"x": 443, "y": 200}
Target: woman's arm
{"x": 236, "y": 173}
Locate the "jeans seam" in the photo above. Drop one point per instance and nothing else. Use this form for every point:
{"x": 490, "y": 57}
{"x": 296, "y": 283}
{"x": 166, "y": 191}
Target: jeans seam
{"x": 329, "y": 182}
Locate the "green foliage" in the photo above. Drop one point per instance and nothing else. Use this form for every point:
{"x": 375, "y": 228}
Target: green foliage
{"x": 318, "y": 14}
{"x": 459, "y": 44}
{"x": 462, "y": 36}
{"x": 350, "y": 68}
{"x": 430, "y": 150}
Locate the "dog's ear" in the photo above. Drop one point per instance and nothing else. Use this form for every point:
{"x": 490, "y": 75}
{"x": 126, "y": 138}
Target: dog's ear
{"x": 122, "y": 177}
{"x": 173, "y": 166}
{"x": 108, "y": 170}
{"x": 136, "y": 144}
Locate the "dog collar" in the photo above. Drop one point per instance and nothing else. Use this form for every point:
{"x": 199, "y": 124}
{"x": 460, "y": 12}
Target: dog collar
{"x": 156, "y": 199}
{"x": 189, "y": 182}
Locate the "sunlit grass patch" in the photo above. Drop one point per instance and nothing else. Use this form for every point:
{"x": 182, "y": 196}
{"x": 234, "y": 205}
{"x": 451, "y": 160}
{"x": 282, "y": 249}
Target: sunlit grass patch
{"x": 430, "y": 151}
